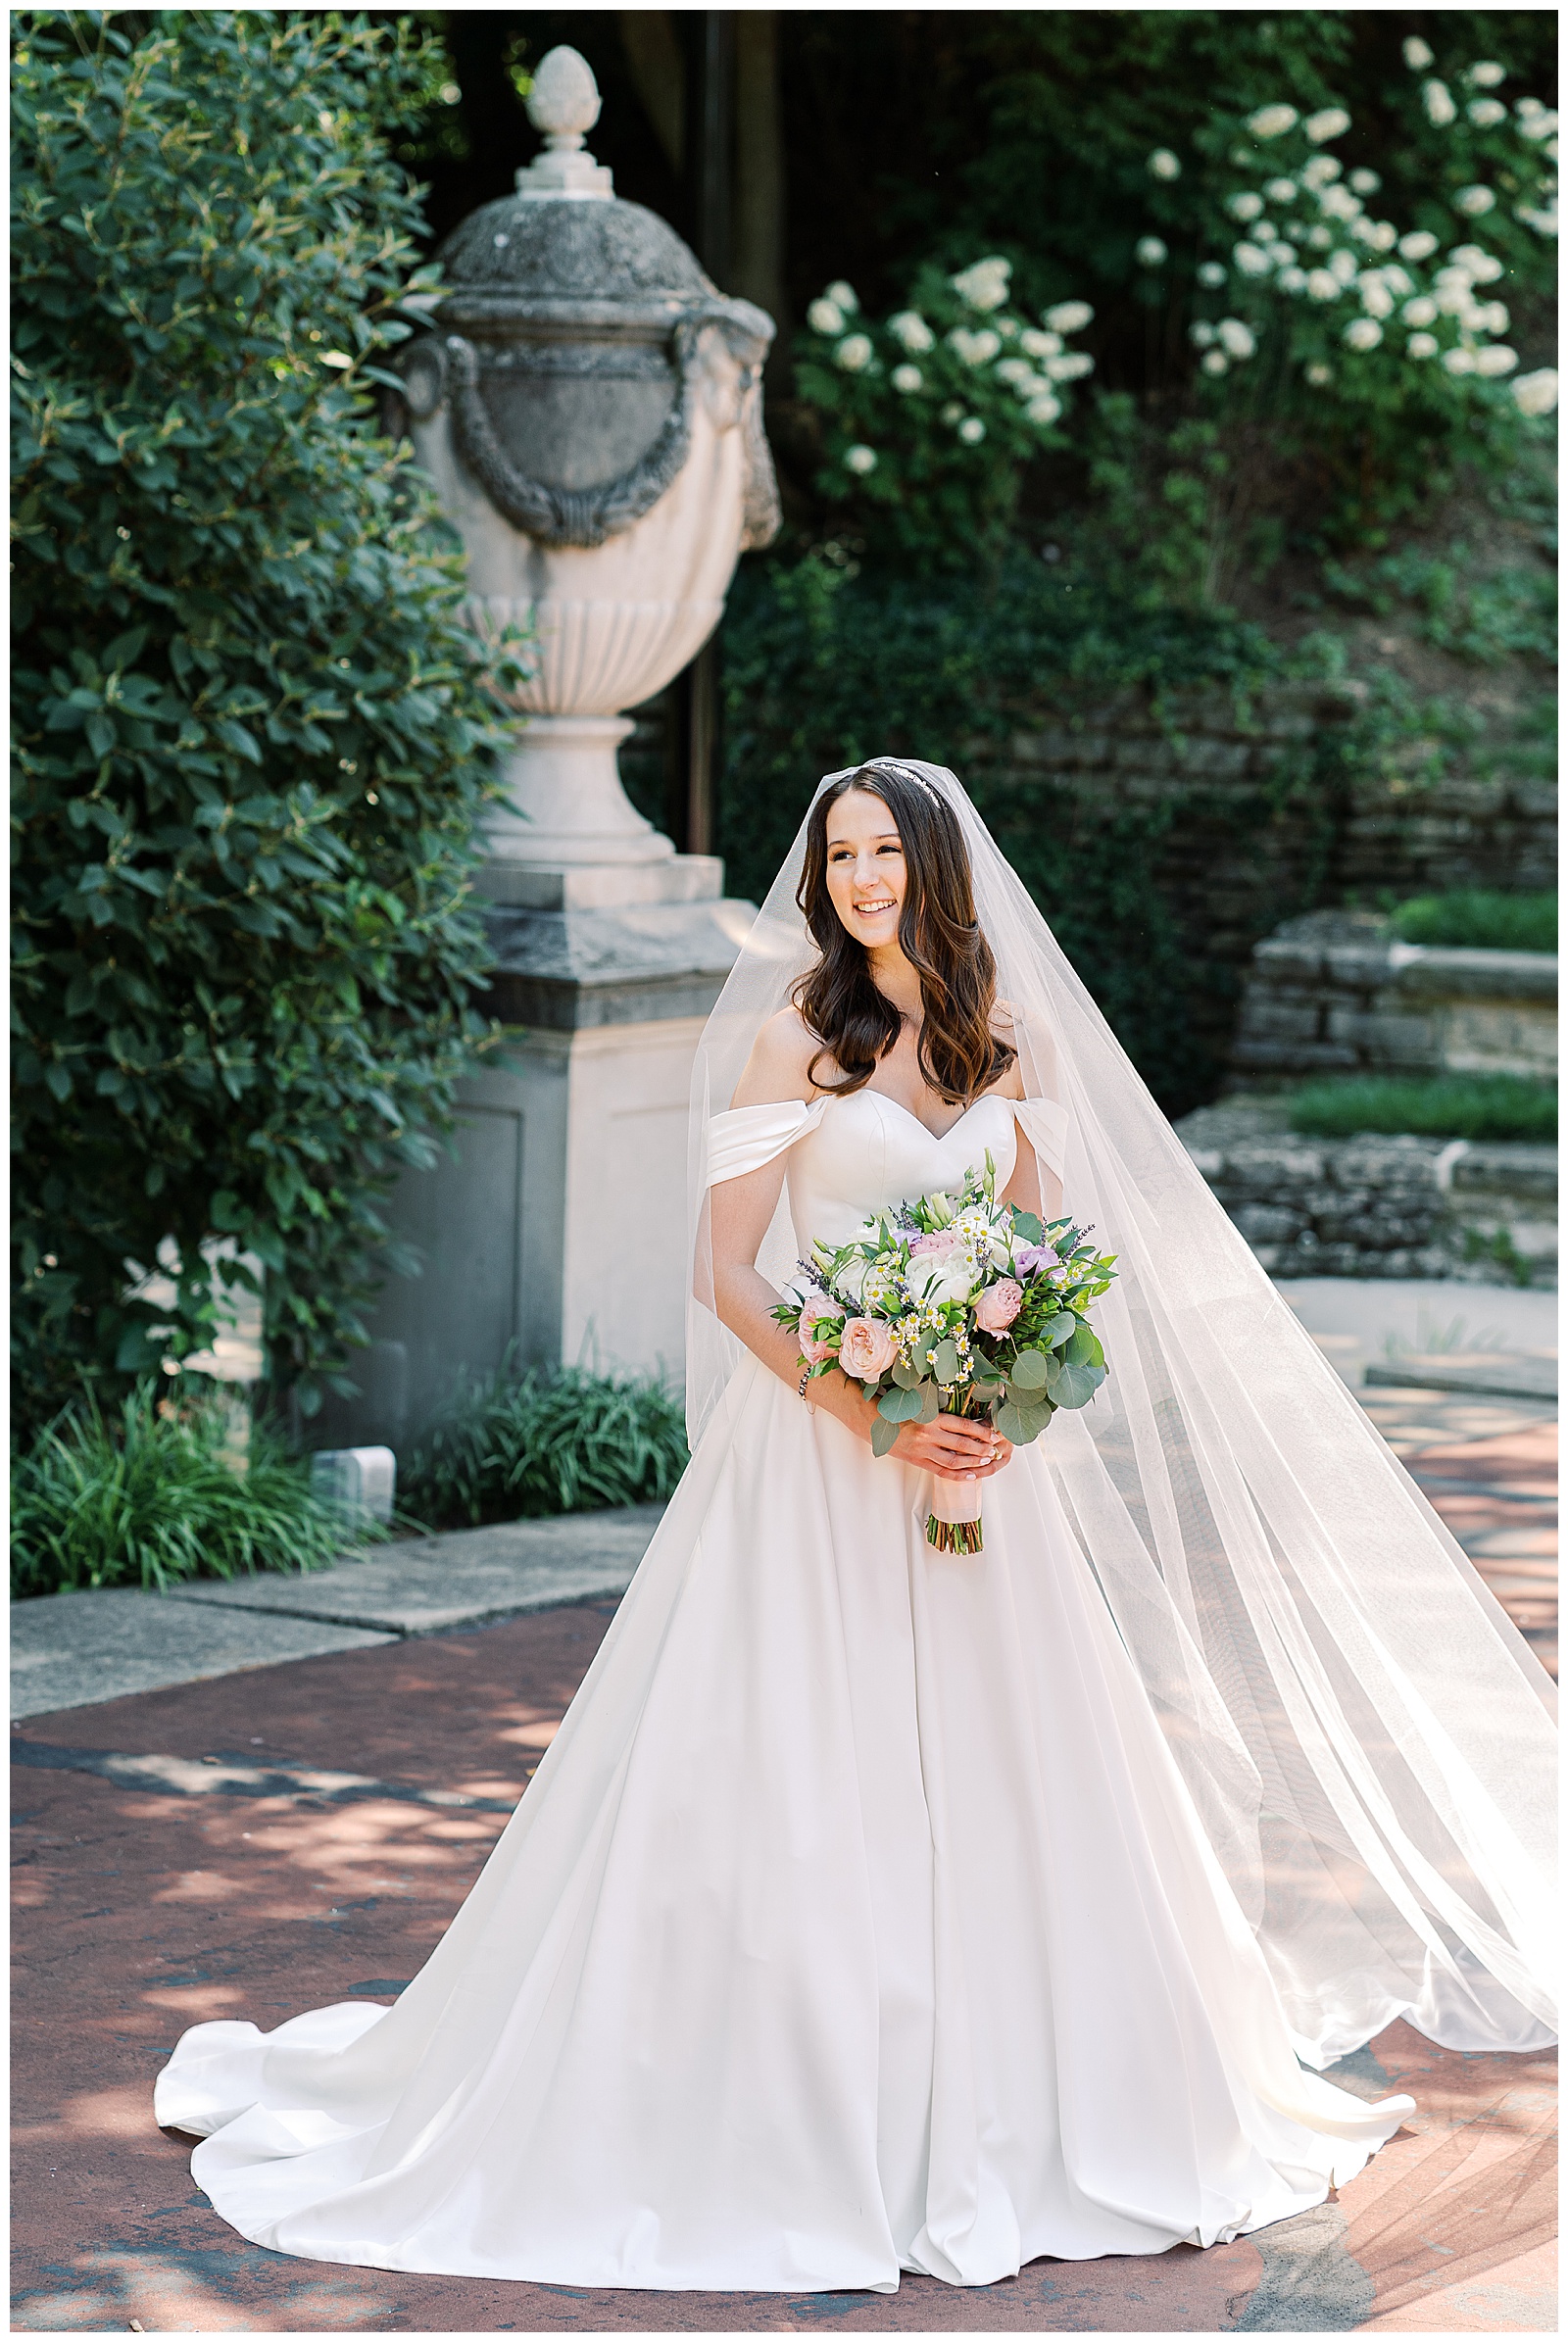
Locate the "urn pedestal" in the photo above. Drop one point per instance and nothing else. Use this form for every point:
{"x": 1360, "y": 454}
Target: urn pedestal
{"x": 588, "y": 407}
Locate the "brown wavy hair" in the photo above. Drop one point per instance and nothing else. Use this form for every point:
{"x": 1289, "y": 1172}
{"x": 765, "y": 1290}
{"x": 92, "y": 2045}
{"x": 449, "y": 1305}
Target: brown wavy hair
{"x": 959, "y": 1054}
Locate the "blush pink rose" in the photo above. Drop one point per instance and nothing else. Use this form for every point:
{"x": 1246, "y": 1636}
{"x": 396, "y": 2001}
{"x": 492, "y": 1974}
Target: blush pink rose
{"x": 867, "y": 1349}
{"x": 819, "y": 1328}
{"x": 924, "y": 1246}
{"x": 999, "y": 1305}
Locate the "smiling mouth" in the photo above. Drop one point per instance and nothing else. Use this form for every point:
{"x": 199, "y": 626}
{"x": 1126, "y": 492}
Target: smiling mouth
{"x": 870, "y": 910}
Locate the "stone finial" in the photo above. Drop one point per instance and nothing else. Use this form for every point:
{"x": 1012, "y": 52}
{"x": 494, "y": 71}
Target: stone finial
{"x": 563, "y": 106}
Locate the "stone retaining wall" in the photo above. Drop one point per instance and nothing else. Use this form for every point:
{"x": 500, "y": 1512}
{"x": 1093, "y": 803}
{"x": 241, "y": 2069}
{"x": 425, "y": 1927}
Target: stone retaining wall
{"x": 1373, "y": 1206}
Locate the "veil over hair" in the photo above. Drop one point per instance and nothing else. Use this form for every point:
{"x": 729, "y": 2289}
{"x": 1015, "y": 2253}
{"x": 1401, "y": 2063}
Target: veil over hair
{"x": 1368, "y": 1742}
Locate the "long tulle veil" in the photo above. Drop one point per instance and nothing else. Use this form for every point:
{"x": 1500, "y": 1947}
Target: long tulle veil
{"x": 1368, "y": 1742}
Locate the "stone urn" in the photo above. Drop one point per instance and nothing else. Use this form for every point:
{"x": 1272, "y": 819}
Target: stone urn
{"x": 588, "y": 406}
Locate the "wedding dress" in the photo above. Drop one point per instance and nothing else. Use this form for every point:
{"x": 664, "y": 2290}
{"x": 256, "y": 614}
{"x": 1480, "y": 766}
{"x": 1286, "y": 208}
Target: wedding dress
{"x": 879, "y": 1909}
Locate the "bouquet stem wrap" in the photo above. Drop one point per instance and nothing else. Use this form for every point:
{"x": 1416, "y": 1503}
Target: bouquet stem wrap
{"x": 954, "y": 1524}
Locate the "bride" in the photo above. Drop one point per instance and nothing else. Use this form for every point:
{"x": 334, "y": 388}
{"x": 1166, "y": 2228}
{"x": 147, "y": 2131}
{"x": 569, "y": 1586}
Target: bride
{"x": 879, "y": 1907}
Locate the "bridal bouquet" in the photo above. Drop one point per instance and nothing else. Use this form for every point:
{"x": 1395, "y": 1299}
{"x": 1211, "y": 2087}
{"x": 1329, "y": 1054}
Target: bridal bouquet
{"x": 959, "y": 1305}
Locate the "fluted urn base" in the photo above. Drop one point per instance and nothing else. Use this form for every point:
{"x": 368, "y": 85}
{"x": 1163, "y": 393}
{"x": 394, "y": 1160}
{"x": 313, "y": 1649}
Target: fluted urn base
{"x": 564, "y": 806}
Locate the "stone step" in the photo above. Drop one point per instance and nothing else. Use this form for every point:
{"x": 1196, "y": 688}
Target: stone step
{"x": 1504, "y": 1374}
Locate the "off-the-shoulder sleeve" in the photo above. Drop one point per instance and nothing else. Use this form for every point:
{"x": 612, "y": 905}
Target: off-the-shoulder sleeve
{"x": 1044, "y": 1124}
{"x": 748, "y": 1137}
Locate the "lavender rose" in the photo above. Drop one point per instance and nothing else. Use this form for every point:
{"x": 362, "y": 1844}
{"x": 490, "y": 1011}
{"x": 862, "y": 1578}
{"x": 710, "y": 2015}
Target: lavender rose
{"x": 867, "y": 1349}
{"x": 1030, "y": 1257}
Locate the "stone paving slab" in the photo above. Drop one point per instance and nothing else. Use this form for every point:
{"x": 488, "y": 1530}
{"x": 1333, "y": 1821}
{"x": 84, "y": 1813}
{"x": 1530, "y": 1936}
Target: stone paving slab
{"x": 66, "y": 1649}
{"x": 1503, "y": 1374}
{"x": 460, "y": 1577}
{"x": 261, "y": 1846}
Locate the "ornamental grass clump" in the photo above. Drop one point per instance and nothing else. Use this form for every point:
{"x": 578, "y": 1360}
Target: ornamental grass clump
{"x": 1475, "y": 920}
{"x": 1452, "y": 1105}
{"x": 554, "y": 1440}
{"x": 252, "y": 733}
{"x": 155, "y": 1495}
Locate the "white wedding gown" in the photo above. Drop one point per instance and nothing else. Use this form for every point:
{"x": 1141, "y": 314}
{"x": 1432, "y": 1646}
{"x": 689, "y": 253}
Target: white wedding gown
{"x": 857, "y": 1920}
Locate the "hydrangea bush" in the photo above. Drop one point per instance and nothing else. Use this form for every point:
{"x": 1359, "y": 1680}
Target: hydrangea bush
{"x": 929, "y": 417}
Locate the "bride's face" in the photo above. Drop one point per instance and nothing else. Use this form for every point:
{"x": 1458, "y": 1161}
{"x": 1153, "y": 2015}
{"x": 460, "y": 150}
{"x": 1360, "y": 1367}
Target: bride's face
{"x": 866, "y": 876}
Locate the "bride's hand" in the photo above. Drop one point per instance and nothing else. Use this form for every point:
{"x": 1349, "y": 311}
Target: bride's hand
{"x": 959, "y": 1446}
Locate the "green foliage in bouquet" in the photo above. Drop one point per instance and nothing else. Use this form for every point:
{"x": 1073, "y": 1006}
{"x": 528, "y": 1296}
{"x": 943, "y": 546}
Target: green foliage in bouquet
{"x": 250, "y": 733}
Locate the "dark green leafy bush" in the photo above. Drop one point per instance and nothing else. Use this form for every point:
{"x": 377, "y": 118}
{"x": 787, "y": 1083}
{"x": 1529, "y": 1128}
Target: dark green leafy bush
{"x": 251, "y": 732}
{"x": 559, "y": 1440}
{"x": 1481, "y": 921}
{"x": 1454, "y": 1105}
{"x": 154, "y": 1496}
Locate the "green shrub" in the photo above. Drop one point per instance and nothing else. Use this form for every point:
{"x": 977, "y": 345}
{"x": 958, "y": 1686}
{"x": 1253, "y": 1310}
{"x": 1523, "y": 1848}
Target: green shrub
{"x": 1450, "y": 1106}
{"x": 251, "y": 730}
{"x": 1480, "y": 921}
{"x": 556, "y": 1439}
{"x": 153, "y": 1498}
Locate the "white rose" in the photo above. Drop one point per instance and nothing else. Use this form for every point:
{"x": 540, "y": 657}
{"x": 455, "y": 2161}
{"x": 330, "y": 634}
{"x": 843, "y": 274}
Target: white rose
{"x": 1497, "y": 360}
{"x": 983, "y": 285}
{"x": 1235, "y": 337}
{"x": 1362, "y": 333}
{"x": 1318, "y": 373}
{"x": 1164, "y": 164}
{"x": 1459, "y": 361}
{"x": 859, "y": 459}
{"x": 1215, "y": 362}
{"x": 1042, "y": 410}
{"x": 1211, "y": 274}
{"x": 1536, "y": 393}
{"x": 1069, "y": 316}
{"x": 971, "y": 431}
{"x": 1038, "y": 344}
{"x": 1202, "y": 332}
{"x": 1417, "y": 56}
{"x": 1244, "y": 206}
{"x": 1252, "y": 260}
{"x": 907, "y": 379}
{"x": 1441, "y": 108}
{"x": 1281, "y": 190}
{"x": 1364, "y": 181}
{"x": 1376, "y": 299}
{"x": 1149, "y": 252}
{"x": 1421, "y": 345}
{"x": 1272, "y": 121}
{"x": 851, "y": 1279}
{"x": 911, "y": 329}
{"x": 1486, "y": 73}
{"x": 825, "y": 317}
{"x": 1292, "y": 280}
{"x": 974, "y": 346}
{"x": 1474, "y": 201}
{"x": 1487, "y": 113}
{"x": 1332, "y": 122}
{"x": 1323, "y": 285}
{"x": 842, "y": 296}
{"x": 854, "y": 353}
{"x": 1420, "y": 245}
{"x": 1422, "y": 311}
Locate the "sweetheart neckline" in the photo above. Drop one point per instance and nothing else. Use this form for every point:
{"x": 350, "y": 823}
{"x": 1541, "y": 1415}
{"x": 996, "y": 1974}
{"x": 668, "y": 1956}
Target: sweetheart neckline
{"x": 937, "y": 1138}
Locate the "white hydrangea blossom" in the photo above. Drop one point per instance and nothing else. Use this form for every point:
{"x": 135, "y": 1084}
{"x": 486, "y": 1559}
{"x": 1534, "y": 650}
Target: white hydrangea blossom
{"x": 1496, "y": 358}
{"x": 1281, "y": 190}
{"x": 971, "y": 431}
{"x": 1292, "y": 280}
{"x": 1320, "y": 237}
{"x": 1343, "y": 265}
{"x": 1245, "y": 206}
{"x": 1543, "y": 222}
{"x": 1252, "y": 260}
{"x": 1536, "y": 393}
{"x": 1364, "y": 181}
{"x": 1281, "y": 252}
{"x": 1493, "y": 316}
{"x": 1069, "y": 316}
{"x": 1164, "y": 164}
{"x": 1376, "y": 299}
{"x": 1337, "y": 203}
{"x": 1045, "y": 409}
{"x": 1200, "y": 332}
{"x": 1320, "y": 170}
{"x": 1474, "y": 201}
{"x": 911, "y": 329}
{"x": 859, "y": 458}
{"x": 1362, "y": 333}
{"x": 1149, "y": 252}
{"x": 1211, "y": 274}
{"x": 1422, "y": 311}
{"x": 1419, "y": 245}
{"x": 1486, "y": 73}
{"x": 952, "y": 413}
{"x": 1236, "y": 338}
{"x": 1479, "y": 265}
{"x": 1332, "y": 122}
{"x": 1272, "y": 121}
{"x": 842, "y": 297}
{"x": 1396, "y": 278}
{"x": 1538, "y": 122}
{"x": 1215, "y": 362}
{"x": 854, "y": 353}
{"x": 1379, "y": 235}
{"x": 1007, "y": 328}
{"x": 1039, "y": 343}
{"x": 1421, "y": 345}
{"x": 1014, "y": 370}
{"x": 1069, "y": 368}
{"x": 1417, "y": 56}
{"x": 1459, "y": 360}
{"x": 1487, "y": 113}
{"x": 907, "y": 379}
{"x": 983, "y": 285}
{"x": 825, "y": 317}
{"x": 1323, "y": 285}
{"x": 1318, "y": 373}
{"x": 1440, "y": 106}
{"x": 975, "y": 345}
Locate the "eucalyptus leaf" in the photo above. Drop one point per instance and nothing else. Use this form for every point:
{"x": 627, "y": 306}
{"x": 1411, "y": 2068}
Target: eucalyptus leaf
{"x": 900, "y": 1406}
{"x": 1029, "y": 1371}
{"x": 883, "y": 1435}
{"x": 1058, "y": 1328}
{"x": 945, "y": 1366}
{"x": 930, "y": 1403}
{"x": 1026, "y": 1225}
{"x": 1075, "y": 1386}
{"x": 906, "y": 1376}
{"x": 1084, "y": 1348}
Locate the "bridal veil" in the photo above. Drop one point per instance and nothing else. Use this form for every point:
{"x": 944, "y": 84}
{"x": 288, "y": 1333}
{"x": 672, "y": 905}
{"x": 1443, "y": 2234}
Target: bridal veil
{"x": 1368, "y": 1741}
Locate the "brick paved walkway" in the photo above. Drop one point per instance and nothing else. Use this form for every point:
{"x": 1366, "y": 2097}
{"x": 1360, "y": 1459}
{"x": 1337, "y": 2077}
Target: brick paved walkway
{"x": 214, "y": 1868}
